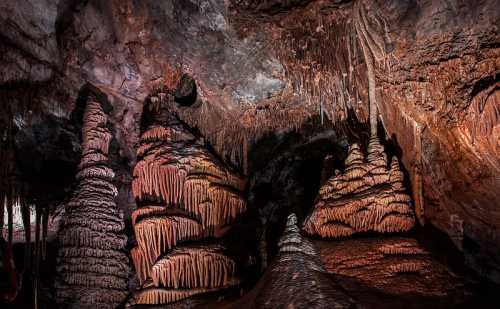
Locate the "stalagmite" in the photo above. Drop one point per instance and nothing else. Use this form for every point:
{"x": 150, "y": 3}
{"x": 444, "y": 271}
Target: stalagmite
{"x": 366, "y": 197}
{"x": 184, "y": 194}
{"x": 91, "y": 264}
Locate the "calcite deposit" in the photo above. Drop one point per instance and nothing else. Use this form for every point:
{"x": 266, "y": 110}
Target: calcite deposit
{"x": 91, "y": 262}
{"x": 185, "y": 195}
{"x": 220, "y": 115}
{"x": 368, "y": 196}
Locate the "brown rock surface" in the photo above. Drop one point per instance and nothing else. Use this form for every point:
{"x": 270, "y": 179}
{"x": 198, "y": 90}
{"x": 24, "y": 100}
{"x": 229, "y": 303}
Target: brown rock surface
{"x": 266, "y": 66}
{"x": 439, "y": 100}
{"x": 367, "y": 196}
{"x": 395, "y": 268}
{"x": 92, "y": 266}
{"x": 185, "y": 195}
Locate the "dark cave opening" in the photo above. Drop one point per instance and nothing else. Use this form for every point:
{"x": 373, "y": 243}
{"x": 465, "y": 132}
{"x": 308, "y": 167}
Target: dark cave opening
{"x": 285, "y": 174}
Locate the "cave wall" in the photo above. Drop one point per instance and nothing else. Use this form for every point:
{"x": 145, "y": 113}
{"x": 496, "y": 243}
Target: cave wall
{"x": 439, "y": 101}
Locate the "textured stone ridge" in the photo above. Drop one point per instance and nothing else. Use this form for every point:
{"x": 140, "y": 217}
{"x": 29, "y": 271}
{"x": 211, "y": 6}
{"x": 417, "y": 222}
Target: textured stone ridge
{"x": 184, "y": 194}
{"x": 365, "y": 197}
{"x": 92, "y": 265}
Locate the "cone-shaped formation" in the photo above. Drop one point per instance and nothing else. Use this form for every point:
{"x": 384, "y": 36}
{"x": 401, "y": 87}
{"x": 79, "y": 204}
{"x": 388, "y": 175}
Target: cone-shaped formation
{"x": 296, "y": 278}
{"x": 184, "y": 194}
{"x": 92, "y": 265}
{"x": 366, "y": 197}
{"x": 292, "y": 241}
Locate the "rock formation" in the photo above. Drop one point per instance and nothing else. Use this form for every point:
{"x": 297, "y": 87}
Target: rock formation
{"x": 365, "y": 197}
{"x": 394, "y": 265}
{"x": 296, "y": 278}
{"x": 265, "y": 71}
{"x": 185, "y": 195}
{"x": 92, "y": 266}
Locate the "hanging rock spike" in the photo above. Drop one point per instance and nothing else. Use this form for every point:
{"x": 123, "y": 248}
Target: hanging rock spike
{"x": 184, "y": 194}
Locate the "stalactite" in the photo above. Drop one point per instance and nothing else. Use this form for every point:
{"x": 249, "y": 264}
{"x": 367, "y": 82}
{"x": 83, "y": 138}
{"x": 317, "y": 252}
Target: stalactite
{"x": 157, "y": 133}
{"x": 153, "y": 296}
{"x": 184, "y": 194}
{"x": 191, "y": 267}
{"x": 406, "y": 267}
{"x": 363, "y": 37}
{"x": 142, "y": 264}
{"x": 2, "y": 219}
{"x": 37, "y": 256}
{"x": 147, "y": 211}
{"x": 92, "y": 267}
{"x": 45, "y": 223}
{"x": 156, "y": 235}
{"x": 9, "y": 206}
{"x": 366, "y": 197}
{"x": 12, "y": 189}
{"x": 25, "y": 212}
{"x": 230, "y": 136}
{"x": 153, "y": 178}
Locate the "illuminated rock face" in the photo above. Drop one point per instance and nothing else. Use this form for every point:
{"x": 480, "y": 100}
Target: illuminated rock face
{"x": 92, "y": 266}
{"x": 184, "y": 194}
{"x": 394, "y": 264}
{"x": 365, "y": 197}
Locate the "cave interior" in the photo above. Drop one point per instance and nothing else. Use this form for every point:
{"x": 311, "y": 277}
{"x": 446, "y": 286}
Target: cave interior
{"x": 249, "y": 154}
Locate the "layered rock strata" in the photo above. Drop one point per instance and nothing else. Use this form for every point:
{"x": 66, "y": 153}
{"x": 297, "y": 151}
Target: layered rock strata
{"x": 394, "y": 265}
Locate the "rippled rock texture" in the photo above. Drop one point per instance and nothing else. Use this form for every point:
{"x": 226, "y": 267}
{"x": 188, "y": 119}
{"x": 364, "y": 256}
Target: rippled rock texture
{"x": 186, "y": 197}
{"x": 92, "y": 265}
{"x": 394, "y": 270}
{"x": 367, "y": 196}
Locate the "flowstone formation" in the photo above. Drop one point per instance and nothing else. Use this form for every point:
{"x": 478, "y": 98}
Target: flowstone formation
{"x": 396, "y": 265}
{"x": 92, "y": 264}
{"x": 187, "y": 199}
{"x": 367, "y": 196}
